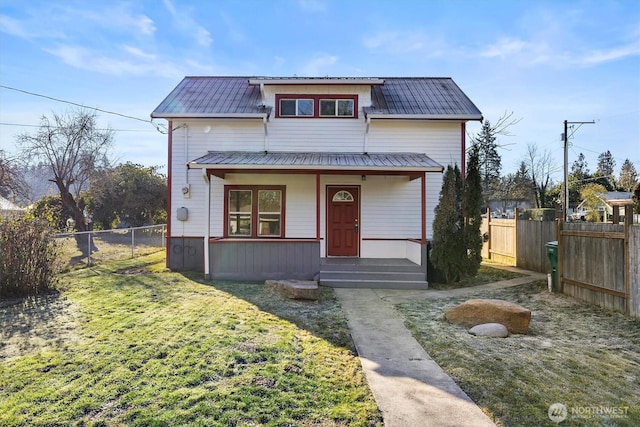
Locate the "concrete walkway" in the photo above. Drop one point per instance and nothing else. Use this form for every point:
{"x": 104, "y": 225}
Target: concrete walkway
{"x": 409, "y": 387}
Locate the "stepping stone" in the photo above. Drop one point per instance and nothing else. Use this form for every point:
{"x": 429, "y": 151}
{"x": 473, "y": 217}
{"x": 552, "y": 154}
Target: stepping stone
{"x": 295, "y": 289}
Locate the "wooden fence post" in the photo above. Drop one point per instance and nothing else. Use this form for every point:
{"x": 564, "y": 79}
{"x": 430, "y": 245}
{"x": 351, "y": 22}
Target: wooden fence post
{"x": 628, "y": 221}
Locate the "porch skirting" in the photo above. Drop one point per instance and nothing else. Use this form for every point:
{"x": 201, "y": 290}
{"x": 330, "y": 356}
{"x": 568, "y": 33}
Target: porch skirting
{"x": 250, "y": 260}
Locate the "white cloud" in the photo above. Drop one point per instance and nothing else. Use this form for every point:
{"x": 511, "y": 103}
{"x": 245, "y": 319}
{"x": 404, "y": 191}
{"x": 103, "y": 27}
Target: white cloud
{"x": 184, "y": 22}
{"x": 505, "y": 47}
{"x": 614, "y": 54}
{"x": 406, "y": 42}
{"x": 312, "y": 5}
{"x": 319, "y": 65}
{"x": 129, "y": 61}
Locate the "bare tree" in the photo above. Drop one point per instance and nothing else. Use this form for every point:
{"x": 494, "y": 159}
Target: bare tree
{"x": 73, "y": 149}
{"x": 541, "y": 165}
{"x": 12, "y": 182}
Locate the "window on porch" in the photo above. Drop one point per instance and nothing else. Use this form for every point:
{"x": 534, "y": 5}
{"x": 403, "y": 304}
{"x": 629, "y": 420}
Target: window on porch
{"x": 254, "y": 211}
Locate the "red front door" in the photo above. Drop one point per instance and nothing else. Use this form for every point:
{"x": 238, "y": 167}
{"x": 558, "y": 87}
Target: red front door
{"x": 343, "y": 221}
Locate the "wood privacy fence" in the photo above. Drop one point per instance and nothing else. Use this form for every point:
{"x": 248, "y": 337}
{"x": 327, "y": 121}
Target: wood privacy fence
{"x": 597, "y": 262}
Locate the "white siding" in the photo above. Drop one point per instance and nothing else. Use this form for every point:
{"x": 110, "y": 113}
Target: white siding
{"x": 390, "y": 205}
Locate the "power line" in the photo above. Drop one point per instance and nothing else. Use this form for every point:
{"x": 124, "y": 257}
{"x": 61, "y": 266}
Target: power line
{"x": 37, "y": 126}
{"x": 84, "y": 106}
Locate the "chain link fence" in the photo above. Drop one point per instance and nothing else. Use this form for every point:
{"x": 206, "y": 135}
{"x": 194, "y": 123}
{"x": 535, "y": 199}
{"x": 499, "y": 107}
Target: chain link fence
{"x": 93, "y": 247}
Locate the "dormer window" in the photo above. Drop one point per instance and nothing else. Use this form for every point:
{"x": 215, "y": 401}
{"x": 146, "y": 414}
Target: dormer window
{"x": 336, "y": 107}
{"x": 317, "y": 106}
{"x": 296, "y": 107}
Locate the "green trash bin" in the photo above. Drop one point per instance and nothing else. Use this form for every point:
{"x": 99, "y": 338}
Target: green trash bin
{"x": 552, "y": 253}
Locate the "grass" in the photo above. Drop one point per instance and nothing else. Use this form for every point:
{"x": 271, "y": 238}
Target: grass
{"x": 576, "y": 354}
{"x": 486, "y": 274}
{"x": 128, "y": 343}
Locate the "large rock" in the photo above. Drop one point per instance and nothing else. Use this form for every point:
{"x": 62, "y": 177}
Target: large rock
{"x": 478, "y": 311}
{"x": 490, "y": 330}
{"x": 295, "y": 289}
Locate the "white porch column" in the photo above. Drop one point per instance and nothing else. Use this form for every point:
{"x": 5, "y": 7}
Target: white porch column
{"x": 207, "y": 234}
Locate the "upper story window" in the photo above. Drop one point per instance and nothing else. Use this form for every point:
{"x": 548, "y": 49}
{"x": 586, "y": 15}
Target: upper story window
{"x": 317, "y": 106}
{"x": 296, "y": 107}
{"x": 336, "y": 107}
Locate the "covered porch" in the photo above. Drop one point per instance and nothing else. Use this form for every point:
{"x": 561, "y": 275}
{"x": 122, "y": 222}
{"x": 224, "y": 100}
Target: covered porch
{"x": 372, "y": 242}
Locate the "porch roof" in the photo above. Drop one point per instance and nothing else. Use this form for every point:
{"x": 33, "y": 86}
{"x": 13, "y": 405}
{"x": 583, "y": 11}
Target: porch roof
{"x": 409, "y": 163}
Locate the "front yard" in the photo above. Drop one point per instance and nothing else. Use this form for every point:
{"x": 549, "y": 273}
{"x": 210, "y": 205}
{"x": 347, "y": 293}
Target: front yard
{"x": 128, "y": 343}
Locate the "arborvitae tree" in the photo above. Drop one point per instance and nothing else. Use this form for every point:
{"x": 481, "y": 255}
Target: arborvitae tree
{"x": 471, "y": 206}
{"x": 449, "y": 253}
{"x": 628, "y": 176}
{"x": 636, "y": 198}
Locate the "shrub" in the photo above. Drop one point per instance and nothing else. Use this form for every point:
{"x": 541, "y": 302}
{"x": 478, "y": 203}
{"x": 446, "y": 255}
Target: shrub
{"x": 449, "y": 254}
{"x": 28, "y": 257}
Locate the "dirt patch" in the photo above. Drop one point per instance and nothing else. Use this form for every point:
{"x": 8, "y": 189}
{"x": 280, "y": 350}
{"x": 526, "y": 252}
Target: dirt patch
{"x": 36, "y": 323}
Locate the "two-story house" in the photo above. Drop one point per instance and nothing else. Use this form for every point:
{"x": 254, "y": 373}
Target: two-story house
{"x": 276, "y": 177}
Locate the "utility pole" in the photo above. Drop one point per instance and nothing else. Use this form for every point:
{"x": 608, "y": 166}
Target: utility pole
{"x": 565, "y": 137}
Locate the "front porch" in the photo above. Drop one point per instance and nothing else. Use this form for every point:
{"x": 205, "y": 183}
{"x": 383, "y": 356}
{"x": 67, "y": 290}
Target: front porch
{"x": 378, "y": 273}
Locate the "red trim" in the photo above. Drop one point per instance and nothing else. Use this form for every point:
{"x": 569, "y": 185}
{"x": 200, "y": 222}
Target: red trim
{"x": 254, "y": 212}
{"x": 463, "y": 152}
{"x": 423, "y": 201}
{"x": 316, "y": 105}
{"x": 169, "y": 180}
{"x": 318, "y": 206}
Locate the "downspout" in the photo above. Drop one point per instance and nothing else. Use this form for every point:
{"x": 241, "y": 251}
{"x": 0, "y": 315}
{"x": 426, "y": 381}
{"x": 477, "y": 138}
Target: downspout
{"x": 266, "y": 135}
{"x": 207, "y": 234}
{"x": 366, "y": 135}
{"x": 186, "y": 153}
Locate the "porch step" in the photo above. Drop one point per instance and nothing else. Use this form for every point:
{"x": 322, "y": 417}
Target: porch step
{"x": 375, "y": 284}
{"x": 371, "y": 273}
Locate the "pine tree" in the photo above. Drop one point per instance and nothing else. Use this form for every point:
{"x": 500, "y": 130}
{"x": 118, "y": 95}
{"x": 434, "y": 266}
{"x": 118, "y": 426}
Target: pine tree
{"x": 628, "y": 176}
{"x": 489, "y": 161}
{"x": 449, "y": 253}
{"x": 472, "y": 205}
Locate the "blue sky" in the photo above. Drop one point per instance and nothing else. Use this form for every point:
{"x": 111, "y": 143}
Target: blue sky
{"x": 545, "y": 61}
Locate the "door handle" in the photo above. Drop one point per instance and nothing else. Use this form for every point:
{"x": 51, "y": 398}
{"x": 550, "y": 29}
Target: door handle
{"x": 355, "y": 228}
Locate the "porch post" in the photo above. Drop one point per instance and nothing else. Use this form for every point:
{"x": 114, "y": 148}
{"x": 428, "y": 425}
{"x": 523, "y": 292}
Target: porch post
{"x": 423, "y": 199}
{"x": 207, "y": 201}
{"x": 317, "y": 206}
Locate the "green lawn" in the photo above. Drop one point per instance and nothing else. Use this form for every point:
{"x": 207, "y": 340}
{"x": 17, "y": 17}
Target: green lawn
{"x": 128, "y": 343}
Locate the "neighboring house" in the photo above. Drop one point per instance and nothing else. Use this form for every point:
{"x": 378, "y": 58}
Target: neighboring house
{"x": 270, "y": 176}
{"x": 8, "y": 208}
{"x": 605, "y": 206}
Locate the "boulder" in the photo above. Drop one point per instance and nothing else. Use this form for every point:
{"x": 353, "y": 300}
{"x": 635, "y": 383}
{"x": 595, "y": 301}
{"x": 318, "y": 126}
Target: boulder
{"x": 490, "y": 330}
{"x": 478, "y": 311}
{"x": 295, "y": 289}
